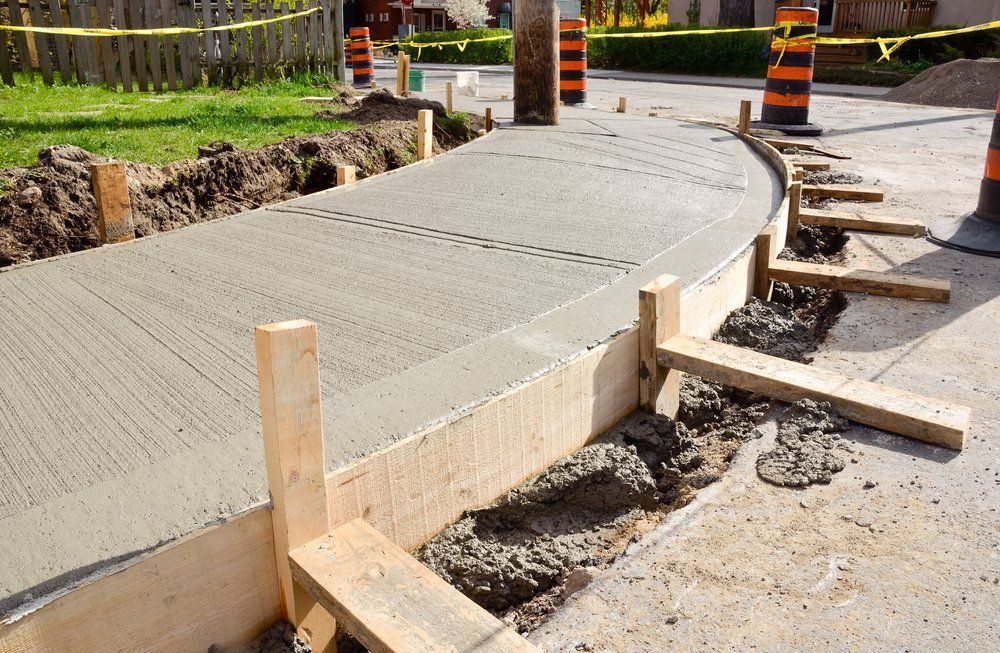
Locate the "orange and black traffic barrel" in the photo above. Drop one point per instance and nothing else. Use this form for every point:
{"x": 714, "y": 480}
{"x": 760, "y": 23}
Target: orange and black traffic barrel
{"x": 573, "y": 60}
{"x": 979, "y": 231}
{"x": 347, "y": 56}
{"x": 790, "y": 72}
{"x": 362, "y": 58}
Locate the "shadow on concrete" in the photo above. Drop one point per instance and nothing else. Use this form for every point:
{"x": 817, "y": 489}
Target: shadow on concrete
{"x": 900, "y": 444}
{"x": 900, "y": 125}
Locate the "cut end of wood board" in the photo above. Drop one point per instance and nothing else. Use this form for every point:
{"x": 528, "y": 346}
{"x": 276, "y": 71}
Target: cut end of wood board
{"x": 897, "y": 411}
{"x": 862, "y": 222}
{"x": 391, "y": 602}
{"x": 843, "y": 192}
{"x": 849, "y": 280}
{"x": 810, "y": 165}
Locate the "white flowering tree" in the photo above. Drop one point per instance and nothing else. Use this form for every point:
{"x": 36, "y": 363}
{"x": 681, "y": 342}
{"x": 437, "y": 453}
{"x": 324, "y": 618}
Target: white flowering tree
{"x": 467, "y": 14}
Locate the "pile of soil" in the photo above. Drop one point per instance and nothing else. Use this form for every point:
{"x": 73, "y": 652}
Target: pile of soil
{"x": 808, "y": 448}
{"x": 968, "y": 83}
{"x": 48, "y": 209}
{"x": 279, "y": 638}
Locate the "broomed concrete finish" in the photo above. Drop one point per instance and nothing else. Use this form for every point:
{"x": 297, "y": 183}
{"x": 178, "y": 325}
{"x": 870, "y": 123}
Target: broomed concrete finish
{"x": 128, "y": 403}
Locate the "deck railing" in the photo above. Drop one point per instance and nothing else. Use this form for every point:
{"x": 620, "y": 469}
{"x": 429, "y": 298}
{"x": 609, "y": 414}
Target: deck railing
{"x": 867, "y": 16}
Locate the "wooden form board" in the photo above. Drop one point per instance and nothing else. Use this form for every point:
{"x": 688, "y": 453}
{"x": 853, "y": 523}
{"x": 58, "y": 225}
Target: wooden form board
{"x": 909, "y": 414}
{"x": 810, "y": 164}
{"x": 425, "y": 134}
{"x": 843, "y": 192}
{"x": 862, "y": 222}
{"x": 866, "y": 281}
{"x": 390, "y": 602}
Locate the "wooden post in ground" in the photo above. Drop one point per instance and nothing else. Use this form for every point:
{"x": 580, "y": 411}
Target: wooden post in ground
{"x": 400, "y": 73}
{"x": 448, "y": 88}
{"x": 425, "y": 137}
{"x": 292, "y": 425}
{"x": 794, "y": 206}
{"x": 489, "y": 119}
{"x": 114, "y": 210}
{"x": 338, "y": 41}
{"x": 659, "y": 319}
{"x": 345, "y": 175}
{"x": 765, "y": 253}
{"x": 622, "y": 102}
{"x": 744, "y": 124}
{"x": 536, "y": 62}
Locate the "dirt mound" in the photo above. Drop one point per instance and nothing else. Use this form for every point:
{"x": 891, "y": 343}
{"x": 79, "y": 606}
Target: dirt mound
{"x": 808, "y": 446}
{"x": 969, "y": 83}
{"x": 49, "y": 209}
{"x": 769, "y": 328}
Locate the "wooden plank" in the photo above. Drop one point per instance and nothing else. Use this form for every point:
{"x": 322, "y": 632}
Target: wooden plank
{"x": 346, "y": 175}
{"x": 41, "y": 42}
{"x": 659, "y": 319}
{"x": 194, "y": 41}
{"x": 765, "y": 253}
{"x": 862, "y": 222}
{"x": 292, "y": 427}
{"x": 242, "y": 61}
{"x": 425, "y": 138}
{"x": 114, "y": 209}
{"x": 448, "y": 91}
{"x": 622, "y": 103}
{"x": 338, "y": 41}
{"x": 866, "y": 281}
{"x": 922, "y": 418}
{"x": 124, "y": 45}
{"x": 809, "y": 147}
{"x": 216, "y": 586}
{"x": 313, "y": 36}
{"x": 211, "y": 42}
{"x": 258, "y": 45}
{"x": 743, "y": 124}
{"x": 153, "y": 20}
{"x": 300, "y": 38}
{"x": 183, "y": 42}
{"x": 404, "y": 606}
{"x": 225, "y": 47}
{"x": 6, "y": 72}
{"x": 843, "y": 192}
{"x": 108, "y": 56}
{"x": 62, "y": 42}
{"x": 95, "y": 49}
{"x": 400, "y": 74}
{"x": 810, "y": 164}
{"x": 140, "y": 45}
{"x": 329, "y": 64}
{"x": 166, "y": 16}
{"x": 73, "y": 17}
{"x": 286, "y": 37}
{"x": 272, "y": 35}
{"x": 794, "y": 209}
{"x": 20, "y": 39}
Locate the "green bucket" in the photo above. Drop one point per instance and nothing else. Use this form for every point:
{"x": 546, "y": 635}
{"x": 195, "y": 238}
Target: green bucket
{"x": 417, "y": 81}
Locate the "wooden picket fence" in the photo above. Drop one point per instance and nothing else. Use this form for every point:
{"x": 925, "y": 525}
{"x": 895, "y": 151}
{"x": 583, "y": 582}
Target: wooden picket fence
{"x": 224, "y": 58}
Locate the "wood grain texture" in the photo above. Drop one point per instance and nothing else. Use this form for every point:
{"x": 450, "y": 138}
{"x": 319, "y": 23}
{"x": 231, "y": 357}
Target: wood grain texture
{"x": 862, "y": 222}
{"x": 390, "y": 602}
{"x": 794, "y": 210}
{"x": 659, "y": 319}
{"x": 743, "y": 125}
{"x": 765, "y": 253}
{"x": 425, "y": 137}
{"x": 810, "y": 164}
{"x": 843, "y": 192}
{"x": 866, "y": 281}
{"x": 922, "y": 418}
{"x": 114, "y": 209}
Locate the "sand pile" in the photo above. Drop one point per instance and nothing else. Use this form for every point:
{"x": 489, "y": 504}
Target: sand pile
{"x": 968, "y": 83}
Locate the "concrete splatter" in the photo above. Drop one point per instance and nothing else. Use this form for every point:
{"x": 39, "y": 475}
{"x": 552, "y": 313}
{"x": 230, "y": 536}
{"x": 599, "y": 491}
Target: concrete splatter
{"x": 808, "y": 448}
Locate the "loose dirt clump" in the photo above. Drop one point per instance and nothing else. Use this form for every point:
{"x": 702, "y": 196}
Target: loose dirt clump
{"x": 808, "y": 448}
{"x": 49, "y": 209}
{"x": 279, "y": 638}
{"x": 770, "y": 328}
{"x": 830, "y": 177}
{"x": 969, "y": 83}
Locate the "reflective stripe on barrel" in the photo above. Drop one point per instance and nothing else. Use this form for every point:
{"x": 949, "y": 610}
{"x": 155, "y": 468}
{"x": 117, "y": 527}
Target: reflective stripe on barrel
{"x": 362, "y": 57}
{"x": 573, "y": 60}
{"x": 790, "y": 68}
{"x": 988, "y": 207}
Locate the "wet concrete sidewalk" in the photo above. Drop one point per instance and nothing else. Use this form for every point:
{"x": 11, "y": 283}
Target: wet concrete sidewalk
{"x": 128, "y": 403}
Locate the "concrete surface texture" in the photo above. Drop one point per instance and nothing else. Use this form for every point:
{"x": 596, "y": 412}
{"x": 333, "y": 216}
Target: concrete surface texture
{"x": 128, "y": 401}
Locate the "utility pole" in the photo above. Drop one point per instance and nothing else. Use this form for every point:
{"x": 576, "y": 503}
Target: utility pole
{"x": 536, "y": 62}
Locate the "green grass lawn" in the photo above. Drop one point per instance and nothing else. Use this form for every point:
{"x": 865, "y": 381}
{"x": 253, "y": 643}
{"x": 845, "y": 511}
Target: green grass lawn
{"x": 154, "y": 128}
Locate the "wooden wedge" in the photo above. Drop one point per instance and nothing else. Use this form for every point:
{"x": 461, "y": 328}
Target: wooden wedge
{"x": 922, "y": 418}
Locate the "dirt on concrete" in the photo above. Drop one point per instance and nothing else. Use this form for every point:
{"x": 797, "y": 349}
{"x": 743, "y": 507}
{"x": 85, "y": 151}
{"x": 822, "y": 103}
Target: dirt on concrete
{"x": 808, "y": 447}
{"x": 830, "y": 177}
{"x": 48, "y": 209}
{"x": 770, "y": 328}
{"x": 968, "y": 83}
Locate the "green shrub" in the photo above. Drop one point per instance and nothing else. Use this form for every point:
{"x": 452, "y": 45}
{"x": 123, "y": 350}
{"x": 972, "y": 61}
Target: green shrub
{"x": 489, "y": 52}
{"x": 740, "y": 53}
{"x": 972, "y": 45}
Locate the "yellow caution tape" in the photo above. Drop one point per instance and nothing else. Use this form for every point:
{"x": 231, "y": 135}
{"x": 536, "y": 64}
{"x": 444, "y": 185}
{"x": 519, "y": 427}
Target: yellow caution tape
{"x": 160, "y": 31}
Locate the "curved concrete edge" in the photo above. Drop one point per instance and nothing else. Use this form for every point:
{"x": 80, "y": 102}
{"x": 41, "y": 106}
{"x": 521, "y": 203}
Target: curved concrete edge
{"x": 220, "y": 582}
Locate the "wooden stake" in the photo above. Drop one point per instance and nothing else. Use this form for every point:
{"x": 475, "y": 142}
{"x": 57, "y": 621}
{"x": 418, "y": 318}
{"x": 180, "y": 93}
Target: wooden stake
{"x": 489, "y": 119}
{"x": 765, "y": 253}
{"x": 862, "y": 222}
{"x": 659, "y": 319}
{"x": 448, "y": 89}
{"x": 621, "y": 105}
{"x": 425, "y": 121}
{"x": 114, "y": 210}
{"x": 844, "y": 192}
{"x": 923, "y": 418}
{"x": 798, "y": 174}
{"x": 536, "y": 63}
{"x": 866, "y": 281}
{"x": 744, "y": 122}
{"x": 292, "y": 425}
{"x": 373, "y": 84}
{"x": 345, "y": 175}
{"x": 794, "y": 206}
{"x": 400, "y": 73}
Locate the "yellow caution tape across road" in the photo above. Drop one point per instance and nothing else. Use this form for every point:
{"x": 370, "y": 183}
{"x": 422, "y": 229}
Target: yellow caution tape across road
{"x": 159, "y": 31}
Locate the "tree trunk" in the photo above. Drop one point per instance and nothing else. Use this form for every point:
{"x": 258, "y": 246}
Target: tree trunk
{"x": 618, "y": 13}
{"x": 736, "y": 13}
{"x": 536, "y": 62}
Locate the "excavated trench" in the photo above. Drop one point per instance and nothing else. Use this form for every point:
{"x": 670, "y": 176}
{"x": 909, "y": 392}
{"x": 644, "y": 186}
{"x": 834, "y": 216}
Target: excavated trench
{"x": 48, "y": 209}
